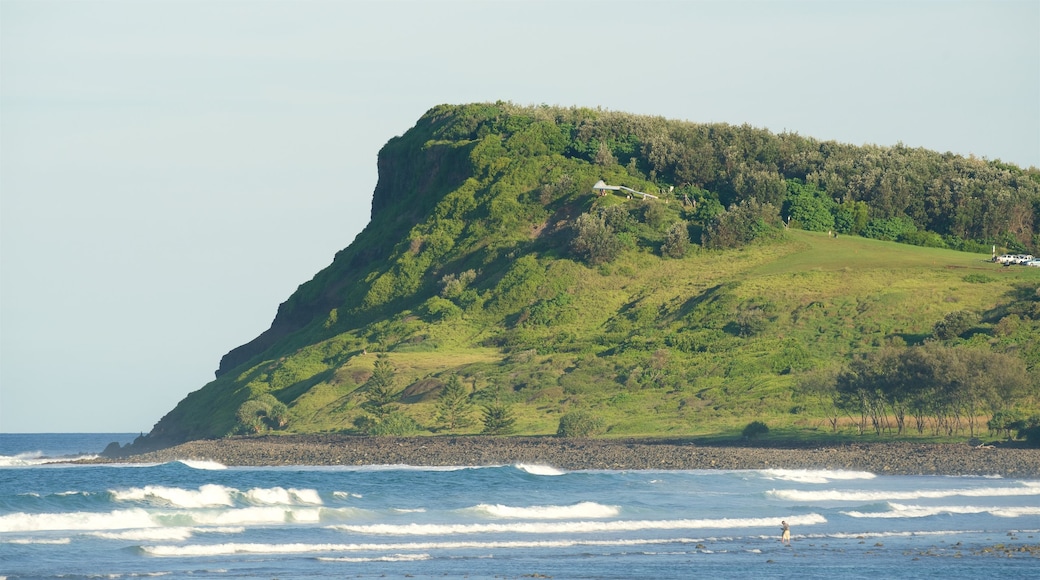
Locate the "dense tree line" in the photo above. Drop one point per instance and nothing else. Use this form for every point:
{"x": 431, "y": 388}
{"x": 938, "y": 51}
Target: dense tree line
{"x": 930, "y": 387}
{"x": 888, "y": 192}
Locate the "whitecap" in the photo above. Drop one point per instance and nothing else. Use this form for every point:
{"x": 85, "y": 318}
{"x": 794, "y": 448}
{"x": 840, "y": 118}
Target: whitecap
{"x": 585, "y": 509}
{"x": 572, "y": 527}
{"x": 539, "y": 469}
{"x": 113, "y": 520}
{"x": 203, "y": 464}
{"x": 41, "y": 541}
{"x": 282, "y": 496}
{"x": 208, "y": 495}
{"x": 896, "y": 510}
{"x": 1024, "y": 489}
{"x": 815, "y": 475}
{"x": 299, "y": 548}
{"x": 387, "y": 558}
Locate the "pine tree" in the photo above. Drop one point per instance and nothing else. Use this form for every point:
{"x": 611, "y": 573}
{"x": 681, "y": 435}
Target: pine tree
{"x": 453, "y": 405}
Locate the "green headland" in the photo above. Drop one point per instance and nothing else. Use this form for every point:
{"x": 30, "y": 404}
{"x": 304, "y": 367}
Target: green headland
{"x": 726, "y": 282}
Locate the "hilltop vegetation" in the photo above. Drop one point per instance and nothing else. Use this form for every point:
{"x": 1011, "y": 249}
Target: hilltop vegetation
{"x": 765, "y": 278}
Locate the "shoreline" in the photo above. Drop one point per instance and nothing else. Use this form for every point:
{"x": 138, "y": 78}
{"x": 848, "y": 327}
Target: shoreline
{"x": 897, "y": 458}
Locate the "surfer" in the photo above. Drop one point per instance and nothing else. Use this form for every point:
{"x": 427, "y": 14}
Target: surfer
{"x": 785, "y": 536}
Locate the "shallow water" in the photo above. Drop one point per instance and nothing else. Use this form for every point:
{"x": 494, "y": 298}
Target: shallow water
{"x": 203, "y": 520}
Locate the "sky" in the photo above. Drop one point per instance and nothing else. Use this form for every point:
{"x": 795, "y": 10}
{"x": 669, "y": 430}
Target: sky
{"x": 170, "y": 172}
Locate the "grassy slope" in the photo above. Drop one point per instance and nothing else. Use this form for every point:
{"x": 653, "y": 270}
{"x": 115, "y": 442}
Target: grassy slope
{"x": 827, "y": 298}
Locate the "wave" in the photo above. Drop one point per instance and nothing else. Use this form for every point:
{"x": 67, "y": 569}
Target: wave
{"x": 1025, "y": 489}
{"x": 208, "y": 495}
{"x": 42, "y": 541}
{"x": 574, "y": 527}
{"x": 113, "y": 520}
{"x": 580, "y": 510}
{"x": 203, "y": 464}
{"x": 38, "y": 459}
{"x": 248, "y": 548}
{"x": 539, "y": 469}
{"x": 282, "y": 496}
{"x": 896, "y": 510}
{"x": 254, "y": 515}
{"x": 815, "y": 475}
{"x": 140, "y": 518}
{"x": 164, "y": 534}
{"x": 389, "y": 558}
{"x": 212, "y": 495}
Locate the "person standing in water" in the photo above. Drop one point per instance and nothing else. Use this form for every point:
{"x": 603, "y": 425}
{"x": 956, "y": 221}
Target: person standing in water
{"x": 785, "y": 536}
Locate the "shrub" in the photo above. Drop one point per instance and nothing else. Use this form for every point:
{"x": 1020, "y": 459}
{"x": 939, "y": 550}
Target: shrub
{"x": 676, "y": 241}
{"x": 580, "y": 424}
{"x": 1030, "y": 431}
{"x": 755, "y": 429}
{"x": 954, "y": 324}
{"x": 1003, "y": 422}
{"x": 251, "y": 416}
{"x": 595, "y": 241}
{"x": 741, "y": 224}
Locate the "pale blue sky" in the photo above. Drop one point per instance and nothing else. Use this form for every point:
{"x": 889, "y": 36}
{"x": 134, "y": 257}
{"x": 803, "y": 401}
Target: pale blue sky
{"x": 171, "y": 171}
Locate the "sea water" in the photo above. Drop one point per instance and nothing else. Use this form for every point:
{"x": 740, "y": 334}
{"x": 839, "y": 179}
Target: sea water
{"x": 199, "y": 519}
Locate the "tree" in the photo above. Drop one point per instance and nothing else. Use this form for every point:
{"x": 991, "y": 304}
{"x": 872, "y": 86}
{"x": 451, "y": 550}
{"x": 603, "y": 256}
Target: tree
{"x": 380, "y": 387}
{"x": 498, "y": 420}
{"x": 809, "y": 208}
{"x": 453, "y": 405}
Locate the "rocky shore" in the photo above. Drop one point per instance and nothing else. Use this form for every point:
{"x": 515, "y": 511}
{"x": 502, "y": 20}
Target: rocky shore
{"x": 574, "y": 454}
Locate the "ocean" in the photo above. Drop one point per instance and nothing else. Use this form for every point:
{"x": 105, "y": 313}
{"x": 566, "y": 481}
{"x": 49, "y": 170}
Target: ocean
{"x": 197, "y": 519}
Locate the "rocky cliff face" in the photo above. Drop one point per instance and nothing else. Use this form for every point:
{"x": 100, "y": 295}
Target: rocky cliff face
{"x": 412, "y": 177}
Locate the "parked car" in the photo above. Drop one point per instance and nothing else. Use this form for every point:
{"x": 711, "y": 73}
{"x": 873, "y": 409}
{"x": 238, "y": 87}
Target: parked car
{"x": 1033, "y": 263}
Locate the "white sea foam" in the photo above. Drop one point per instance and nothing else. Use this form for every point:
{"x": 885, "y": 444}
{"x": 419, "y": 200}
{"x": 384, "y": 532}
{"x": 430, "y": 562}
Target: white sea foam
{"x": 211, "y": 495}
{"x": 248, "y": 548}
{"x": 113, "y": 520}
{"x": 388, "y": 558}
{"x": 282, "y": 496}
{"x": 815, "y": 475}
{"x": 241, "y": 516}
{"x": 41, "y": 541}
{"x": 576, "y": 527}
{"x": 1023, "y": 489}
{"x": 896, "y": 510}
{"x": 147, "y": 534}
{"x": 37, "y": 458}
{"x": 539, "y": 469}
{"x": 166, "y": 534}
{"x": 345, "y": 495}
{"x": 585, "y": 509}
{"x": 204, "y": 464}
{"x": 208, "y": 495}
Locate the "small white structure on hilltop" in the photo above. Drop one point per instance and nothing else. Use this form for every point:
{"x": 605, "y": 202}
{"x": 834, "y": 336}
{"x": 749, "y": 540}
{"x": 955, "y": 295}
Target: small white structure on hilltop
{"x": 602, "y": 188}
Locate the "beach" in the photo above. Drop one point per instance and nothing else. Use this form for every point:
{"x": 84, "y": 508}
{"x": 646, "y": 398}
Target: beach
{"x": 897, "y": 458}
